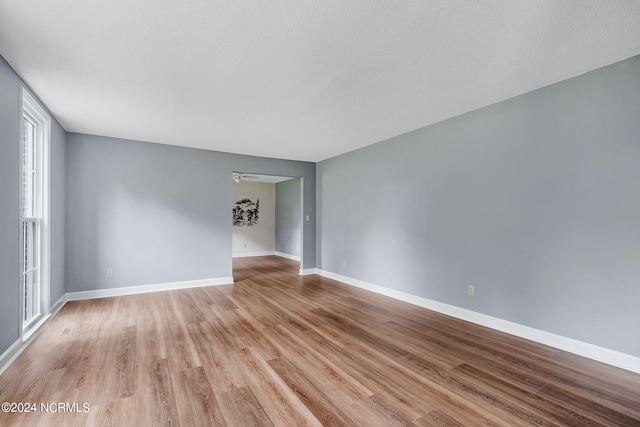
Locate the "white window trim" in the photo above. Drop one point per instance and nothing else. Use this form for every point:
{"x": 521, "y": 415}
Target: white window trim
{"x": 29, "y": 106}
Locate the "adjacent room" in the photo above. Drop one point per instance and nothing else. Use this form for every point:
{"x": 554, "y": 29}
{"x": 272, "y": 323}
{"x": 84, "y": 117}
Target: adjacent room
{"x": 319, "y": 213}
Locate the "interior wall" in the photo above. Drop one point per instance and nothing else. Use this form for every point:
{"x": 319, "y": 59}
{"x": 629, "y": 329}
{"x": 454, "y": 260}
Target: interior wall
{"x": 288, "y": 217}
{"x": 10, "y": 137}
{"x": 533, "y": 200}
{"x": 260, "y": 237}
{"x": 58, "y": 211}
{"x": 156, "y": 213}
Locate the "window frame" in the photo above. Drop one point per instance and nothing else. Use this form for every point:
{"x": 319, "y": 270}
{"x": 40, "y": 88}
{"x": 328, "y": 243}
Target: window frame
{"x": 31, "y": 110}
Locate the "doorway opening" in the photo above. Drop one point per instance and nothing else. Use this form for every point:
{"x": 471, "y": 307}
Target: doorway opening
{"x": 267, "y": 216}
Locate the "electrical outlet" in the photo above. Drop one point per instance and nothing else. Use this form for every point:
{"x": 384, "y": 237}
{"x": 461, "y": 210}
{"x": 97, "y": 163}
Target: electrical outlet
{"x": 471, "y": 290}
{"x": 307, "y": 218}
{"x": 109, "y": 272}
{"x": 344, "y": 262}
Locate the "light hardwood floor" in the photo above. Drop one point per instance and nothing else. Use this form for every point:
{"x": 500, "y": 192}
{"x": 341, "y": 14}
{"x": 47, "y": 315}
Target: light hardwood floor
{"x": 280, "y": 349}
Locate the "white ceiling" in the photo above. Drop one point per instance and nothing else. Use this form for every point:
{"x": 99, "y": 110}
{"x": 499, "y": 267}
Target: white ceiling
{"x": 303, "y": 80}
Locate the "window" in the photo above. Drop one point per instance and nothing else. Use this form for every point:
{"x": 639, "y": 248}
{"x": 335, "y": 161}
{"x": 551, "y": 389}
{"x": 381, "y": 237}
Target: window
{"x": 34, "y": 194}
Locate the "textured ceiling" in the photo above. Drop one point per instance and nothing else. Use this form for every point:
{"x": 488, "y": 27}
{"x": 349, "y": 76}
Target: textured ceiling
{"x": 302, "y": 80}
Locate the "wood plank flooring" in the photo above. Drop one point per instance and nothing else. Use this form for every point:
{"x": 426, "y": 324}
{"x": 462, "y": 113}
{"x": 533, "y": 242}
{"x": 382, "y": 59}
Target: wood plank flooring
{"x": 278, "y": 349}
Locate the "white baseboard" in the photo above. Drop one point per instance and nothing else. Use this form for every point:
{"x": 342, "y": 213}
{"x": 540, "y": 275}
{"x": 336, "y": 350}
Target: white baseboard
{"x": 249, "y": 254}
{"x": 143, "y": 289}
{"x": 307, "y": 271}
{"x": 601, "y": 354}
{"x": 13, "y": 352}
{"x": 10, "y": 354}
{"x": 266, "y": 253}
{"x": 289, "y": 256}
{"x": 58, "y": 305}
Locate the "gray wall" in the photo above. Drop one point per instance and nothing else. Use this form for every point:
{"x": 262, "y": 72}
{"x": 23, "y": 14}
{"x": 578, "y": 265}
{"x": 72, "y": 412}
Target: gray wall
{"x": 156, "y": 213}
{"x": 58, "y": 208}
{"x": 534, "y": 200}
{"x": 288, "y": 217}
{"x": 10, "y": 114}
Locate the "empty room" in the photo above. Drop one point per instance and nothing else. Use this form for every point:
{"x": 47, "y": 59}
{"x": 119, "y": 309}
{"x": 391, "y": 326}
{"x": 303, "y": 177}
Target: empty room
{"x": 357, "y": 213}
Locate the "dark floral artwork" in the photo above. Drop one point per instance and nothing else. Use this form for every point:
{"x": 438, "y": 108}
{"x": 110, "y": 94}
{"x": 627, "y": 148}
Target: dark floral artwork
{"x": 245, "y": 212}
